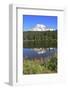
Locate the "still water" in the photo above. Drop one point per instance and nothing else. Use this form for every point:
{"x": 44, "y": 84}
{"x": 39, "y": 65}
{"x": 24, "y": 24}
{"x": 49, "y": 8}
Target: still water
{"x": 31, "y": 53}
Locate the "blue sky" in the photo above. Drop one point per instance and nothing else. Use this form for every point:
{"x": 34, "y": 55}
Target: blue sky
{"x": 31, "y": 21}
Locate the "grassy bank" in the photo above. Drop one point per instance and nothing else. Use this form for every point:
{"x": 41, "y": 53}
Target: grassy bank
{"x": 40, "y": 66}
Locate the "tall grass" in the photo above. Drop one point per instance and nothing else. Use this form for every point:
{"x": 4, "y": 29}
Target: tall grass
{"x": 38, "y": 67}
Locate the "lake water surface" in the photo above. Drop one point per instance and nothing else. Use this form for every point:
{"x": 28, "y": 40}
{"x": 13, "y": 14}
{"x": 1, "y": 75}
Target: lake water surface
{"x": 30, "y": 53}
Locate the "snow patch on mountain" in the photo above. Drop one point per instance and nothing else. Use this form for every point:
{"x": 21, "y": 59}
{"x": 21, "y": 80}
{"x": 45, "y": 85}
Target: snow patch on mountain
{"x": 41, "y": 27}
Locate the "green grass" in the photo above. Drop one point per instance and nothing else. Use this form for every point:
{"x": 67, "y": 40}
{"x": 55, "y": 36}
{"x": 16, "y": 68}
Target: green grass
{"x": 38, "y": 67}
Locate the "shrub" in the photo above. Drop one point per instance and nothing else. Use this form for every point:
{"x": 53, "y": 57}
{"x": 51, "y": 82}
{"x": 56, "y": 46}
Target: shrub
{"x": 52, "y": 64}
{"x": 34, "y": 67}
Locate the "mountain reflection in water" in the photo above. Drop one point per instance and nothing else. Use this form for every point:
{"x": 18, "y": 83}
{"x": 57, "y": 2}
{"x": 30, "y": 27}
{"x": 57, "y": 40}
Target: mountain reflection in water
{"x": 31, "y": 53}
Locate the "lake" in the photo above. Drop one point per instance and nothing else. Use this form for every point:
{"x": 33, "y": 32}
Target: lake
{"x": 32, "y": 53}
{"x": 39, "y": 43}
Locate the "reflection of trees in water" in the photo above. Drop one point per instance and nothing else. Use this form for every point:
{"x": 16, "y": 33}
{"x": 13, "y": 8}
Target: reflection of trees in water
{"x": 40, "y": 39}
{"x": 39, "y": 43}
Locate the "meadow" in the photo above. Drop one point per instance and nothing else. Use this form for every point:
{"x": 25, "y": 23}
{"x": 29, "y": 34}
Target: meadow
{"x": 40, "y": 66}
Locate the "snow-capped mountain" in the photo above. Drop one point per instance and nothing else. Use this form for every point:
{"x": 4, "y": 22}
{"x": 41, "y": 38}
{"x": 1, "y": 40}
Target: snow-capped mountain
{"x": 41, "y": 27}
